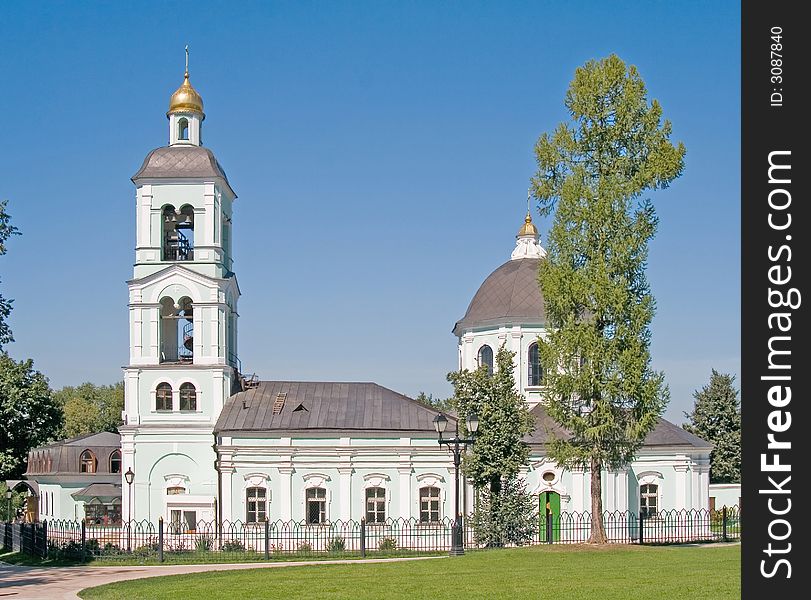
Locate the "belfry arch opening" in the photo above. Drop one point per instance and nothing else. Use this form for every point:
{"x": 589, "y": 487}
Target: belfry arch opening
{"x": 178, "y": 232}
{"x": 177, "y": 330}
{"x": 183, "y": 129}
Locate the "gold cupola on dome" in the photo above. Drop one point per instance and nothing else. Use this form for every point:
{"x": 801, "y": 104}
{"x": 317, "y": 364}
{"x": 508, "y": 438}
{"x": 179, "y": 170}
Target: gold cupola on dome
{"x": 528, "y": 228}
{"x": 186, "y": 99}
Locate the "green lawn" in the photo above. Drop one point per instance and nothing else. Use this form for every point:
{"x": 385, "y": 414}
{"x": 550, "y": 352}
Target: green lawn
{"x": 558, "y": 572}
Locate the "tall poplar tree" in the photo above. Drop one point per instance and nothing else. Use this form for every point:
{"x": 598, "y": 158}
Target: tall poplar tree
{"x": 592, "y": 172}
{"x": 6, "y": 231}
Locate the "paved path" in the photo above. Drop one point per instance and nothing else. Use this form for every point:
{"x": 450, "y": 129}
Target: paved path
{"x": 58, "y": 583}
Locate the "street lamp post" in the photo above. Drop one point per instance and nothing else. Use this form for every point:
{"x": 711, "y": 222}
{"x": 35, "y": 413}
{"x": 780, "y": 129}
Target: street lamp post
{"x": 129, "y": 476}
{"x": 8, "y": 506}
{"x": 457, "y": 445}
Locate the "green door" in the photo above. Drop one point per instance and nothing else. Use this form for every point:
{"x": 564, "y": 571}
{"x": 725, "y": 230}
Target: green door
{"x": 550, "y": 505}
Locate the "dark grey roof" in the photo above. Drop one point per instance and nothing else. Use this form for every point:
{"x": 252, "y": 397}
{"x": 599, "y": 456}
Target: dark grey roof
{"x": 63, "y": 457}
{"x": 328, "y": 405}
{"x": 169, "y": 162}
{"x": 102, "y": 491}
{"x": 510, "y": 294}
{"x": 664, "y": 434}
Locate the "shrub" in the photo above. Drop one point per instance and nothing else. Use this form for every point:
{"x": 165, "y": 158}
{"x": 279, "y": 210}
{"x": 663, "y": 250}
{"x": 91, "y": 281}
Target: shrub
{"x": 305, "y": 547}
{"x": 336, "y": 545}
{"x": 204, "y": 543}
{"x": 387, "y": 544}
{"x": 110, "y": 549}
{"x": 233, "y": 546}
{"x": 146, "y": 550}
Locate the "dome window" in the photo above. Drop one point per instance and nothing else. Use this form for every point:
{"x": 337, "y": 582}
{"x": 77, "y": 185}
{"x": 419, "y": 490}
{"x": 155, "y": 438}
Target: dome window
{"x": 486, "y": 358}
{"x": 534, "y": 370}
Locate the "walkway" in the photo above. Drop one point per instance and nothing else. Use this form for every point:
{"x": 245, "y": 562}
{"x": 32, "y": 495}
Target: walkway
{"x": 63, "y": 583}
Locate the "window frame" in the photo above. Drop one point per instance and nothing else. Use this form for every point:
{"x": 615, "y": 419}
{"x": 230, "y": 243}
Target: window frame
{"x": 115, "y": 455}
{"x": 315, "y": 499}
{"x": 252, "y": 496}
{"x": 378, "y": 505}
{"x": 490, "y": 364}
{"x": 91, "y": 460}
{"x": 534, "y": 367}
{"x": 645, "y": 496}
{"x": 186, "y": 387}
{"x": 428, "y": 498}
{"x": 161, "y": 396}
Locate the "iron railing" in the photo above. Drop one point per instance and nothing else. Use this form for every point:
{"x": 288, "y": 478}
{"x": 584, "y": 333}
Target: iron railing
{"x": 209, "y": 540}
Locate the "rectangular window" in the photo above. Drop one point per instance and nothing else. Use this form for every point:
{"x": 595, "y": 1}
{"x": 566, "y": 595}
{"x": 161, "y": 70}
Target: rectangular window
{"x": 429, "y": 505}
{"x": 376, "y": 505}
{"x": 316, "y": 506}
{"x": 256, "y": 505}
{"x": 648, "y": 500}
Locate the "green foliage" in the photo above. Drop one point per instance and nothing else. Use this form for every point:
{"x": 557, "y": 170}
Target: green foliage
{"x": 591, "y": 173}
{"x": 336, "y": 545}
{"x": 6, "y": 231}
{"x": 204, "y": 543}
{"x": 305, "y": 547}
{"x": 435, "y": 403}
{"x": 90, "y": 408}
{"x": 716, "y": 417}
{"x": 29, "y": 416}
{"x": 17, "y": 502}
{"x": 504, "y": 420}
{"x": 233, "y": 546}
{"x": 508, "y": 516}
{"x": 387, "y": 544}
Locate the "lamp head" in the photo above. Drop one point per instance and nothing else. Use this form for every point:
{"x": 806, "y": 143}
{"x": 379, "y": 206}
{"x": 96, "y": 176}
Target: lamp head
{"x": 129, "y": 476}
{"x": 440, "y": 423}
{"x": 472, "y": 423}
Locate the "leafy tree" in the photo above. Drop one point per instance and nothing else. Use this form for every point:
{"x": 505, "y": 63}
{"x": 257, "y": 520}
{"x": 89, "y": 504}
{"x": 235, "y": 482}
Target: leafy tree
{"x": 435, "y": 403}
{"x": 29, "y": 416}
{"x": 496, "y": 458}
{"x": 591, "y": 174}
{"x": 90, "y": 408}
{"x": 6, "y": 231}
{"x": 716, "y": 417}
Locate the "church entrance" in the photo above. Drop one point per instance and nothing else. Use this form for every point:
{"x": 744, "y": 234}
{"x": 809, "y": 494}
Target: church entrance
{"x": 549, "y": 513}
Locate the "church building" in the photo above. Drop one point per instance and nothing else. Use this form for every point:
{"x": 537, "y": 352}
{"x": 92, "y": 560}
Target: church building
{"x": 200, "y": 441}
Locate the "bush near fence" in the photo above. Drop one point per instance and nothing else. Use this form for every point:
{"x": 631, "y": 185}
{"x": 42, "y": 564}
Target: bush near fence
{"x": 143, "y": 540}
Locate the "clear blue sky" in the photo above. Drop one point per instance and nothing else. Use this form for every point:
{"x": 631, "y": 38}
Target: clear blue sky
{"x": 381, "y": 152}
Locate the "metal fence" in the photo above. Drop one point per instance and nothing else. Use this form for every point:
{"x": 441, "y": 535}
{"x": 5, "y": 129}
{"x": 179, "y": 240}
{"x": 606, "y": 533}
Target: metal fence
{"x": 215, "y": 541}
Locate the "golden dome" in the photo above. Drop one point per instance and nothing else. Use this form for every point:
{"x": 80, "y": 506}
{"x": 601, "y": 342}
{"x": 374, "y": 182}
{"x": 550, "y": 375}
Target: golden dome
{"x": 527, "y": 228}
{"x": 186, "y": 99}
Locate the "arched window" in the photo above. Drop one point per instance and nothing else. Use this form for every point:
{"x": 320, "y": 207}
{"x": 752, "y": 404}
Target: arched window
{"x": 534, "y": 370}
{"x": 163, "y": 397}
{"x": 115, "y": 461}
{"x": 375, "y": 505}
{"x": 486, "y": 358}
{"x": 255, "y": 505}
{"x": 429, "y": 505}
{"x": 648, "y": 500}
{"x": 188, "y": 397}
{"x": 183, "y": 129}
{"x": 316, "y": 506}
{"x": 175, "y": 490}
{"x": 87, "y": 462}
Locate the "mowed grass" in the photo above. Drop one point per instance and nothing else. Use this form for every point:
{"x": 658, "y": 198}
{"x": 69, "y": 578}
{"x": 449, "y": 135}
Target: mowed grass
{"x": 559, "y": 572}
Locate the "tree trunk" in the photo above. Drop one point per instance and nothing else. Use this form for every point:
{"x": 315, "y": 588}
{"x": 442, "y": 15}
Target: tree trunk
{"x": 495, "y": 503}
{"x": 597, "y": 526}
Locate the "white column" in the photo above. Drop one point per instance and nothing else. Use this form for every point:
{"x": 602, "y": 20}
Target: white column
{"x": 468, "y": 361}
{"x": 285, "y": 493}
{"x": 405, "y": 490}
{"x": 578, "y": 489}
{"x": 696, "y": 487}
{"x": 515, "y": 346}
{"x": 154, "y": 333}
{"x": 621, "y": 490}
{"x": 682, "y": 494}
{"x": 144, "y": 217}
{"x": 609, "y": 488}
{"x": 208, "y": 203}
{"x": 345, "y": 492}
{"x": 227, "y": 498}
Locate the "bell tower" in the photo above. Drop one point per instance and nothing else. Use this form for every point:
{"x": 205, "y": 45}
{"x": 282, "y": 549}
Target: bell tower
{"x": 183, "y": 297}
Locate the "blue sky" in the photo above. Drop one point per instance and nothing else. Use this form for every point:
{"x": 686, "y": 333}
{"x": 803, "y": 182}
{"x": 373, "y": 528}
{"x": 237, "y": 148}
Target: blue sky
{"x": 381, "y": 152}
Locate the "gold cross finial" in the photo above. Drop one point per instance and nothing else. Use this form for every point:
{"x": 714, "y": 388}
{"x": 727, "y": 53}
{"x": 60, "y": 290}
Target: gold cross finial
{"x": 187, "y": 60}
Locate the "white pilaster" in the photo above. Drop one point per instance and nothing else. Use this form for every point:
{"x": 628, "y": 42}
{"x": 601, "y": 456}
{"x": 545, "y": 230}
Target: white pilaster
{"x": 621, "y": 490}
{"x": 578, "y": 489}
{"x": 285, "y": 493}
{"x": 682, "y": 495}
{"x": 404, "y": 470}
